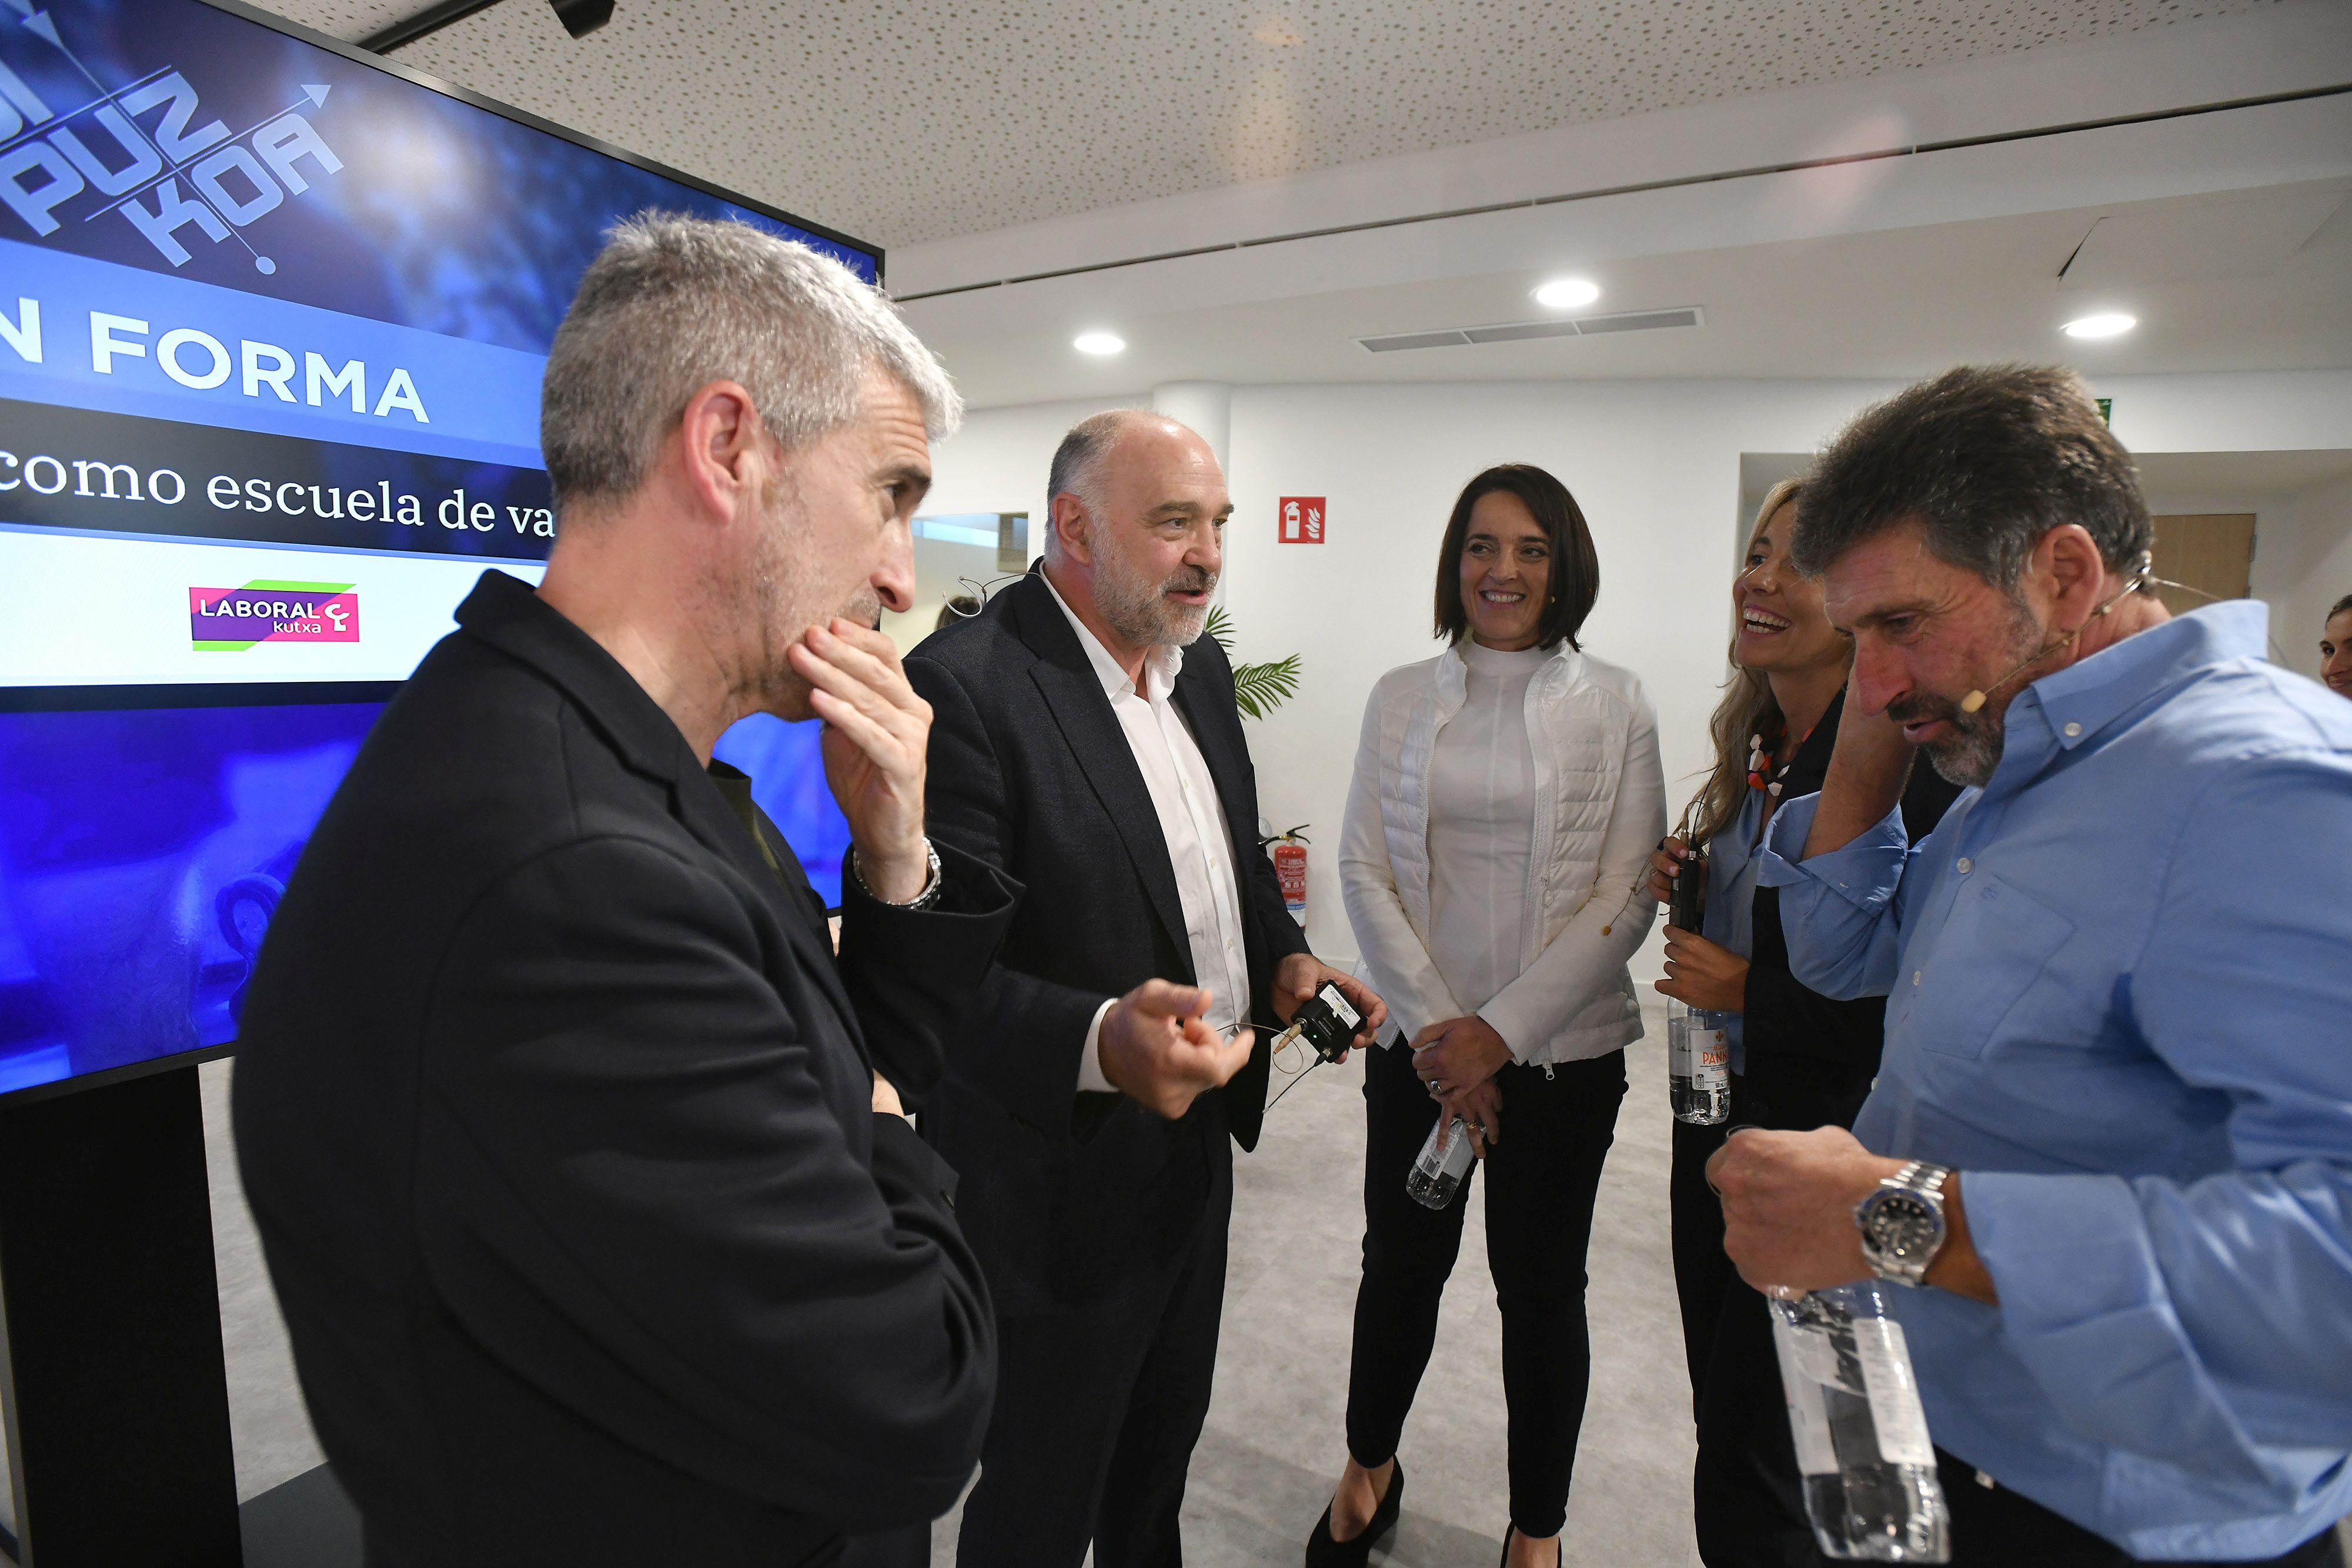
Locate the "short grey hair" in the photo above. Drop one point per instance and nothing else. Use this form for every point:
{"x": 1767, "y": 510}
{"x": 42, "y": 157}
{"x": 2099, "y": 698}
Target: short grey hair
{"x": 672, "y": 304}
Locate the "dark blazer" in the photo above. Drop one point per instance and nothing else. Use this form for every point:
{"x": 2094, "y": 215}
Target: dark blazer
{"x": 1809, "y": 1058}
{"x": 553, "y": 1106}
{"x": 1031, "y": 772}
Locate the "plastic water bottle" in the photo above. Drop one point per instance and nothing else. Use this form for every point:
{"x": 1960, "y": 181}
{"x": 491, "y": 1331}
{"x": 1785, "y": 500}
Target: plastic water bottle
{"x": 1861, "y": 1435}
{"x": 1698, "y": 1065}
{"x": 1437, "y": 1174}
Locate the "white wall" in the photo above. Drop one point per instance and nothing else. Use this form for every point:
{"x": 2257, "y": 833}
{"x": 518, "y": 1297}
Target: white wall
{"x": 2256, "y": 410}
{"x": 997, "y": 462}
{"x": 1656, "y": 466}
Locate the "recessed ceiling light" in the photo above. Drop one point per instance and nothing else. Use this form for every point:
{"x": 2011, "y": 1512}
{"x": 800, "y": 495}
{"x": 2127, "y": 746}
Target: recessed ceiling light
{"x": 2111, "y": 324}
{"x": 1099, "y": 343}
{"x": 1566, "y": 293}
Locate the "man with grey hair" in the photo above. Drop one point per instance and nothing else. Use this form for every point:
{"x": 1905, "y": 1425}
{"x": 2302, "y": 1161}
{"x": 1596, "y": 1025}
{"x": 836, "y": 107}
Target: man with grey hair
{"x": 1086, "y": 741}
{"x": 575, "y": 1151}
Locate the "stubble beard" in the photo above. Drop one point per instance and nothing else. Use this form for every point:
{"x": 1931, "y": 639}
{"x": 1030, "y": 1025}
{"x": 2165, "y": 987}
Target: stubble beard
{"x": 1139, "y": 610}
{"x": 784, "y": 606}
{"x": 1970, "y": 753}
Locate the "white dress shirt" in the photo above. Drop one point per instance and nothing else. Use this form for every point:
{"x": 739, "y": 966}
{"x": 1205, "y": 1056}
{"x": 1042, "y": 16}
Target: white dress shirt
{"x": 1192, "y": 822}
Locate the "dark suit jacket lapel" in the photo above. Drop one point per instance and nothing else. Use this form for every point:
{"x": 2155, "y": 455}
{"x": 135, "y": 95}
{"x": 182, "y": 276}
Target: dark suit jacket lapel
{"x": 1073, "y": 694}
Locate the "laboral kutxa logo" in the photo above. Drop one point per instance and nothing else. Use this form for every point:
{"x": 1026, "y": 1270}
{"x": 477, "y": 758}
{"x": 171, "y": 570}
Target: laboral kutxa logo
{"x": 231, "y": 620}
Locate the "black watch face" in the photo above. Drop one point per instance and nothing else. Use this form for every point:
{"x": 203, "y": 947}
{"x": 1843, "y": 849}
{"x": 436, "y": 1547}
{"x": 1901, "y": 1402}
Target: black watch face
{"x": 1904, "y": 1225}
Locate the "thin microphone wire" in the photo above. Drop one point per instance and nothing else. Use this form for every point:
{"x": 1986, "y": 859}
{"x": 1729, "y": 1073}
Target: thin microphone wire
{"x": 2269, "y": 641}
{"x": 2140, "y": 579}
{"x": 984, "y": 591}
{"x": 2143, "y": 578}
{"x": 1292, "y": 1084}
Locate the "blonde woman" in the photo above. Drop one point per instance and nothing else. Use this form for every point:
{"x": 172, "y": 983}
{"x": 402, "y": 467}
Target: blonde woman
{"x": 1798, "y": 1060}
{"x": 1507, "y": 796}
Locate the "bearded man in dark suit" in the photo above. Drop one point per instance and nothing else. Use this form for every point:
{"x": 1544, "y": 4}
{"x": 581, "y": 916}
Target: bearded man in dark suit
{"x": 1084, "y": 741}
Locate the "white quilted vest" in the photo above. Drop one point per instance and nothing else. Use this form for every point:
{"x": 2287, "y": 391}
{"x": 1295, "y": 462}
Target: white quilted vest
{"x": 1579, "y": 730}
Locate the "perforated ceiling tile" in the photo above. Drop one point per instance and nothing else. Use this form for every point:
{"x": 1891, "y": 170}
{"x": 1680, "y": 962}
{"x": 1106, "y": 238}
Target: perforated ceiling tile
{"x": 920, "y": 120}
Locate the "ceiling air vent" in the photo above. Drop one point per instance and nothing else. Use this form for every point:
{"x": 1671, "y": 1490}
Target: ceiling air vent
{"x": 1641, "y": 321}
{"x": 1413, "y": 341}
{"x": 1521, "y": 332}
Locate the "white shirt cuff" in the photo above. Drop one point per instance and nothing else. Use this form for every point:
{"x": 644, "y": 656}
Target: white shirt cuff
{"x": 1090, "y": 1074}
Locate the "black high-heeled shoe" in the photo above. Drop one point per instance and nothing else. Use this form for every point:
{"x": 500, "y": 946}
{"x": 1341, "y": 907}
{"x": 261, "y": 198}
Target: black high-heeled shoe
{"x": 1557, "y": 1548}
{"x": 1322, "y": 1551}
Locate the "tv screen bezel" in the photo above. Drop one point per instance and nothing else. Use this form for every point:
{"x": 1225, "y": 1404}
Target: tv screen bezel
{"x": 98, "y": 698}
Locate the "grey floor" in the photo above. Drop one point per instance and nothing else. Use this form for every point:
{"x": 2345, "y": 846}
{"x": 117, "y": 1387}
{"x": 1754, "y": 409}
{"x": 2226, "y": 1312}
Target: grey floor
{"x": 269, "y": 1423}
{"x": 1272, "y": 1446}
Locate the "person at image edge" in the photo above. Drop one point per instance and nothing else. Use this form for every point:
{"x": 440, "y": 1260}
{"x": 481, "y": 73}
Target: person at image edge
{"x": 2108, "y": 1148}
{"x": 575, "y": 1153}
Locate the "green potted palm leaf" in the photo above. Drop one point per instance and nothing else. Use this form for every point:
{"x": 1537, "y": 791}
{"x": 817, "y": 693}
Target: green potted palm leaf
{"x": 1258, "y": 688}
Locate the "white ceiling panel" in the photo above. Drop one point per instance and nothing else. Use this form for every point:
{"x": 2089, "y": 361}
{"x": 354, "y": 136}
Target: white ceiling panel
{"x": 922, "y": 118}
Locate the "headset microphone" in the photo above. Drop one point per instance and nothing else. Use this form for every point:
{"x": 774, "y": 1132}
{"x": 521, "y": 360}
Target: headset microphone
{"x": 2142, "y": 575}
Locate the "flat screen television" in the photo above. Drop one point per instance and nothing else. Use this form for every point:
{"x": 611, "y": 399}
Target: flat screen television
{"x": 273, "y": 314}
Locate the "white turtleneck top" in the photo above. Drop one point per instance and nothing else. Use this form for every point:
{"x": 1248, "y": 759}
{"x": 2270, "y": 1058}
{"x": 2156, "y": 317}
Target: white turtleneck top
{"x": 1482, "y": 826}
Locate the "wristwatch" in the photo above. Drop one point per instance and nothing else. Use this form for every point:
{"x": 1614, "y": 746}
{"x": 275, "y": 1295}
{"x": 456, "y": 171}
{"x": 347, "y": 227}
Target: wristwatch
{"x": 934, "y": 885}
{"x": 1902, "y": 1223}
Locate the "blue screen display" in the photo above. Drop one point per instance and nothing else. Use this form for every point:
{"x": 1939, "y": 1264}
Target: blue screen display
{"x": 272, "y": 326}
{"x": 141, "y": 853}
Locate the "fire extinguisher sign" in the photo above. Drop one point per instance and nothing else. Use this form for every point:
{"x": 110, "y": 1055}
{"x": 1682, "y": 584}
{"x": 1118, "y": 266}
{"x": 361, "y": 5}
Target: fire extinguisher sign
{"x": 1302, "y": 520}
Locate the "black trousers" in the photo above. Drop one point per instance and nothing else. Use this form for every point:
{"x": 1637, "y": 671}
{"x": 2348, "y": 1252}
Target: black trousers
{"x": 1540, "y": 1178}
{"x": 1703, "y": 1274}
{"x": 1993, "y": 1527}
{"x": 1097, "y": 1409}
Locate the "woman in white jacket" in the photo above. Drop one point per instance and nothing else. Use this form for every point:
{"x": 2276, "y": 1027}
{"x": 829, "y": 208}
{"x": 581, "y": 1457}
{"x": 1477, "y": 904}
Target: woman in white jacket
{"x": 1507, "y": 796}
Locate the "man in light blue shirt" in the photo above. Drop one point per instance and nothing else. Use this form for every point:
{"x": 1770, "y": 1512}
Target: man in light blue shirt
{"x": 2111, "y": 1139}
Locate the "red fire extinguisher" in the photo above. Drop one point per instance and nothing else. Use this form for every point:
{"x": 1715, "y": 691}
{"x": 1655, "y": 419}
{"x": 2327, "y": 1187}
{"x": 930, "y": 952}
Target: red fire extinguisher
{"x": 1290, "y": 869}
